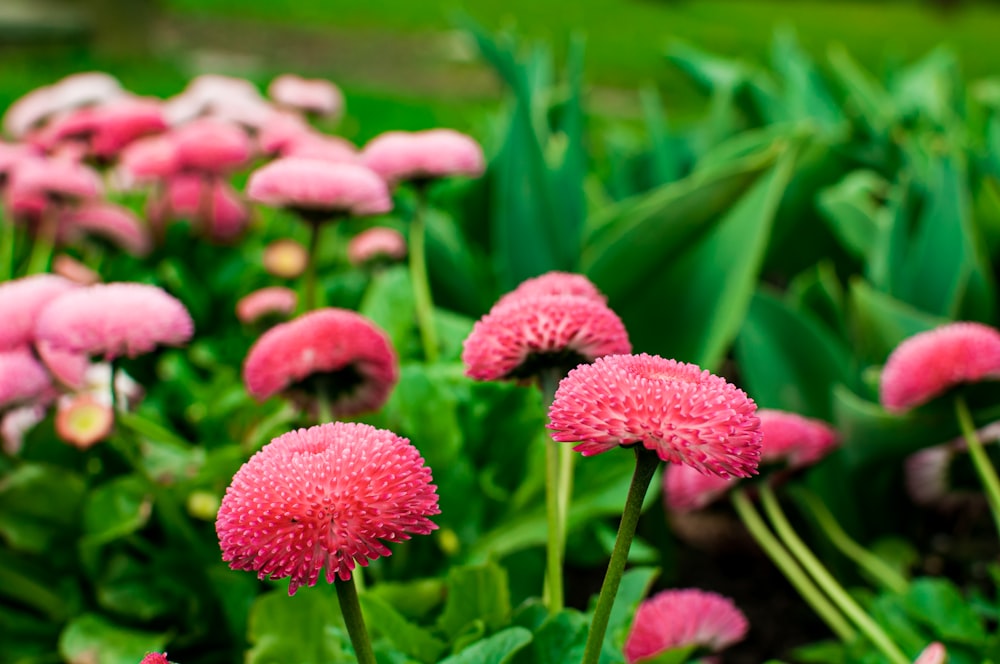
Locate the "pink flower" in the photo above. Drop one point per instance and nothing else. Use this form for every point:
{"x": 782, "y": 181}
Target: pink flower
{"x": 928, "y": 473}
{"x": 83, "y": 421}
{"x": 316, "y": 188}
{"x": 556, "y": 283}
{"x": 106, "y": 129}
{"x": 930, "y": 363}
{"x": 150, "y": 158}
{"x": 66, "y": 366}
{"x": 281, "y": 130}
{"x": 155, "y": 658}
{"x": 15, "y": 424}
{"x": 687, "y": 489}
{"x": 686, "y": 415}
{"x": 115, "y": 319}
{"x": 21, "y": 301}
{"x": 285, "y": 258}
{"x": 112, "y": 222}
{"x": 208, "y": 145}
{"x": 314, "y": 96}
{"x": 341, "y": 351}
{"x": 22, "y": 378}
{"x": 69, "y": 268}
{"x": 35, "y": 185}
{"x": 517, "y": 339}
{"x": 679, "y": 618}
{"x": 423, "y": 155}
{"x": 325, "y": 497}
{"x": 275, "y": 300}
{"x": 210, "y": 202}
{"x": 71, "y": 92}
{"x": 376, "y": 243}
{"x": 935, "y": 653}
{"x": 324, "y": 148}
{"x": 799, "y": 441}
{"x": 222, "y": 97}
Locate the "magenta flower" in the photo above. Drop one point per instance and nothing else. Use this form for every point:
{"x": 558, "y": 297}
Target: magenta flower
{"x": 679, "y": 618}
{"x": 22, "y": 378}
{"x": 326, "y": 497}
{"x": 155, "y": 658}
{"x": 400, "y": 156}
{"x": 21, "y": 301}
{"x": 935, "y": 653}
{"x": 378, "y": 243}
{"x": 340, "y": 351}
{"x": 314, "y": 188}
{"x": 517, "y": 339}
{"x": 556, "y": 283}
{"x": 930, "y": 363}
{"x": 683, "y": 413}
{"x": 313, "y": 96}
{"x": 114, "y": 223}
{"x": 114, "y": 320}
{"x": 687, "y": 489}
{"x": 793, "y": 439}
{"x": 271, "y": 301}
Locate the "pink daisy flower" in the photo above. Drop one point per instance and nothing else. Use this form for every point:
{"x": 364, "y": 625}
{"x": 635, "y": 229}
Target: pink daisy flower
{"x": 155, "y": 658}
{"x": 556, "y": 283}
{"x": 793, "y": 439}
{"x": 208, "y": 145}
{"x": 116, "y": 224}
{"x": 150, "y": 158}
{"x": 313, "y": 96}
{"x": 114, "y": 320}
{"x": 935, "y": 653}
{"x": 35, "y": 185}
{"x": 74, "y": 91}
{"x": 679, "y": 618}
{"x": 106, "y": 129}
{"x": 319, "y": 189}
{"x": 22, "y": 378}
{"x": 15, "y": 424}
{"x": 930, "y": 363}
{"x": 272, "y": 301}
{"x": 687, "y": 489}
{"x": 285, "y": 258}
{"x": 211, "y": 203}
{"x": 324, "y": 148}
{"x": 325, "y": 497}
{"x": 21, "y": 301}
{"x": 517, "y": 339}
{"x": 378, "y": 243}
{"x": 282, "y": 130}
{"x": 423, "y": 155}
{"x": 339, "y": 350}
{"x": 683, "y": 413}
{"x": 83, "y": 421}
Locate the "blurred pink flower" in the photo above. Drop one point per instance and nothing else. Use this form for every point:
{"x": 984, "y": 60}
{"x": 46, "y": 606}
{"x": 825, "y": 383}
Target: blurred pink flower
{"x": 22, "y": 378}
{"x": 793, "y": 439}
{"x": 106, "y": 129}
{"x": 228, "y": 98}
{"x": 74, "y": 91}
{"x": 683, "y": 413}
{"x": 11, "y": 154}
{"x": 115, "y": 319}
{"x": 930, "y": 363}
{"x": 678, "y": 618}
{"x": 687, "y": 489}
{"x": 928, "y": 473}
{"x": 66, "y": 366}
{"x": 15, "y": 424}
{"x": 325, "y": 497}
{"x": 36, "y": 185}
{"x": 114, "y": 223}
{"x": 556, "y": 283}
{"x": 285, "y": 258}
{"x": 377, "y": 243}
{"x": 935, "y": 653}
{"x": 324, "y": 148}
{"x": 313, "y": 96}
{"x": 312, "y": 187}
{"x": 345, "y": 353}
{"x": 150, "y": 158}
{"x": 209, "y": 145}
{"x": 281, "y": 130}
{"x": 21, "y": 301}
{"x": 68, "y": 267}
{"x": 525, "y": 335}
{"x": 271, "y": 301}
{"x": 82, "y": 420}
{"x": 210, "y": 203}
{"x": 422, "y": 155}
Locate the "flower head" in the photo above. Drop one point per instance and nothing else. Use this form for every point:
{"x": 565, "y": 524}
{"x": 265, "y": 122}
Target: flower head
{"x": 317, "y": 188}
{"x": 683, "y": 413}
{"x": 336, "y": 351}
{"x": 678, "y": 618}
{"x": 556, "y": 283}
{"x": 74, "y": 91}
{"x": 686, "y": 489}
{"x": 209, "y": 145}
{"x": 21, "y": 301}
{"x": 326, "y": 497}
{"x": 115, "y": 223}
{"x": 285, "y": 258}
{"x": 375, "y": 244}
{"x": 928, "y": 364}
{"x": 114, "y": 320}
{"x": 82, "y": 420}
{"x": 798, "y": 441}
{"x": 435, "y": 153}
{"x": 155, "y": 658}
{"x": 315, "y": 96}
{"x": 22, "y": 378}
{"x": 274, "y": 300}
{"x": 212, "y": 203}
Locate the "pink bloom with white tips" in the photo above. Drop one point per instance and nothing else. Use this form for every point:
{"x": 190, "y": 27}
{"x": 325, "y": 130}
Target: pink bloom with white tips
{"x": 687, "y": 489}
{"x": 21, "y": 301}
{"x": 313, "y": 96}
{"x": 556, "y": 283}
{"x": 378, "y": 243}
{"x": 312, "y": 186}
{"x": 796, "y": 440}
{"x": 435, "y": 153}
{"x": 271, "y": 301}
{"x": 22, "y": 378}
{"x": 679, "y": 618}
{"x": 328, "y": 497}
{"x": 683, "y": 413}
{"x": 930, "y": 363}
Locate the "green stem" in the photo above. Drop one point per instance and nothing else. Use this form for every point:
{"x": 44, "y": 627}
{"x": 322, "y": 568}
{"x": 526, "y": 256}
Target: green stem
{"x": 646, "y": 463}
{"x": 422, "y": 301}
{"x": 877, "y": 569}
{"x": 825, "y": 580}
{"x": 555, "y": 545}
{"x": 791, "y": 569}
{"x": 987, "y": 473}
{"x": 350, "y": 608}
{"x": 324, "y": 412}
{"x": 311, "y": 301}
{"x": 43, "y": 244}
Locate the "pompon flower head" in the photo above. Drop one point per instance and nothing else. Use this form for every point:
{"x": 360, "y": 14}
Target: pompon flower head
{"x": 935, "y": 653}
{"x": 155, "y": 658}
{"x": 423, "y": 155}
{"x": 326, "y": 497}
{"x": 22, "y": 378}
{"x": 374, "y": 244}
{"x": 556, "y": 283}
{"x": 272, "y": 301}
{"x": 528, "y": 334}
{"x": 115, "y": 319}
{"x": 793, "y": 439}
{"x": 285, "y": 258}
{"x": 210, "y": 145}
{"x": 82, "y": 420}
{"x": 683, "y": 413}
{"x": 34, "y": 185}
{"x": 337, "y": 351}
{"x": 21, "y": 301}
{"x": 930, "y": 363}
{"x": 314, "y": 96}
{"x": 679, "y": 618}
{"x": 687, "y": 489}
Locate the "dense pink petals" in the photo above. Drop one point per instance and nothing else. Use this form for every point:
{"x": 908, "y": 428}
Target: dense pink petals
{"x": 513, "y": 337}
{"x": 274, "y": 300}
{"x": 376, "y": 243}
{"x": 327, "y": 187}
{"x": 683, "y": 413}
{"x": 935, "y": 653}
{"x": 678, "y": 618}
{"x": 83, "y": 421}
{"x": 211, "y": 146}
{"x": 421, "y": 155}
{"x": 104, "y": 129}
{"x": 155, "y": 658}
{"x": 153, "y": 157}
{"x": 11, "y": 154}
{"x": 326, "y": 497}
{"x": 325, "y": 148}
{"x": 686, "y": 489}
{"x": 315, "y": 96}
{"x": 928, "y": 364}
{"x": 112, "y": 222}
{"x": 556, "y": 283}
{"x": 21, "y": 301}
{"x": 71, "y": 92}
{"x": 22, "y": 377}
{"x": 358, "y": 361}
{"x": 67, "y": 366}
{"x": 35, "y": 183}
{"x": 793, "y": 439}
{"x": 114, "y": 320}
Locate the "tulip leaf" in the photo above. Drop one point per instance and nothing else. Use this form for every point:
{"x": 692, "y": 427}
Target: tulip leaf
{"x": 92, "y": 638}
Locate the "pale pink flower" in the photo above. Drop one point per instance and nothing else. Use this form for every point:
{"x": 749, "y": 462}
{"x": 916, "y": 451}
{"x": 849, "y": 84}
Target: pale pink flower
{"x": 683, "y": 413}
{"x": 378, "y": 243}
{"x": 315, "y": 188}
{"x": 11, "y": 154}
{"x": 16, "y": 423}
{"x": 36, "y": 185}
{"x": 285, "y": 258}
{"x": 74, "y": 91}
{"x": 519, "y": 338}
{"x": 271, "y": 301}
{"x": 150, "y": 158}
{"x": 115, "y": 319}
{"x": 22, "y": 378}
{"x": 313, "y": 96}
{"x": 208, "y": 145}
{"x": 324, "y": 148}
{"x": 281, "y": 130}
{"x": 106, "y": 129}
{"x": 928, "y": 473}
{"x": 211, "y": 203}
{"x": 793, "y": 439}
{"x": 556, "y": 283}
{"x": 343, "y": 352}
{"x": 935, "y": 653}
{"x": 223, "y": 97}
{"x": 21, "y": 301}
{"x": 930, "y": 363}
{"x": 326, "y": 497}
{"x": 687, "y": 489}
{"x": 678, "y": 618}
{"x": 400, "y": 156}
{"x": 82, "y": 420}
{"x": 66, "y": 366}
{"x": 68, "y": 267}
{"x": 114, "y": 223}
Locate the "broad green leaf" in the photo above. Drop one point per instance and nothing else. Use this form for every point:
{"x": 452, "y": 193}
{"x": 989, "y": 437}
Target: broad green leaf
{"x": 28, "y": 583}
{"x": 889, "y": 612}
{"x": 559, "y": 640}
{"x": 938, "y": 604}
{"x": 304, "y": 629}
{"x": 880, "y": 322}
{"x": 388, "y": 302}
{"x": 852, "y": 209}
{"x": 930, "y": 88}
{"x": 873, "y": 103}
{"x": 475, "y": 593}
{"x": 497, "y": 649}
{"x": 709, "y": 71}
{"x": 39, "y": 506}
{"x": 665, "y": 162}
{"x": 634, "y": 587}
{"x": 819, "y": 292}
{"x": 805, "y": 94}
{"x": 132, "y": 590}
{"x": 116, "y": 509}
{"x": 92, "y": 638}
{"x": 406, "y": 636}
{"x": 671, "y": 656}
{"x": 413, "y": 599}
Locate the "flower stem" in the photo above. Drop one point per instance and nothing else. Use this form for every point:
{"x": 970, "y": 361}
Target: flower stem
{"x": 422, "y": 301}
{"x": 556, "y": 503}
{"x": 865, "y": 559}
{"x": 646, "y": 463}
{"x": 851, "y": 609}
{"x": 987, "y": 473}
{"x": 311, "y": 302}
{"x": 791, "y": 569}
{"x": 350, "y": 608}
{"x": 43, "y": 244}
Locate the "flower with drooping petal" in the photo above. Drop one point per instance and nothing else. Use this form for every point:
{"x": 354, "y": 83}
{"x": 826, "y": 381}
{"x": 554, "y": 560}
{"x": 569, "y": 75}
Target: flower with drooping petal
{"x": 315, "y": 96}
{"x": 686, "y": 489}
{"x": 935, "y": 653}
{"x": 115, "y": 319}
{"x": 399, "y": 156}
{"x": 796, "y": 440}
{"x": 285, "y": 258}
{"x": 66, "y": 366}
{"x": 315, "y": 188}
{"x": 22, "y": 378}
{"x": 271, "y": 301}
{"x": 114, "y": 223}
{"x": 22, "y": 300}
{"x": 337, "y": 351}
{"x": 378, "y": 243}
{"x": 930, "y": 363}
{"x": 523, "y": 336}
{"x": 82, "y": 420}
{"x": 326, "y": 497}
{"x": 683, "y": 413}
{"x": 556, "y": 283}
{"x": 679, "y": 618}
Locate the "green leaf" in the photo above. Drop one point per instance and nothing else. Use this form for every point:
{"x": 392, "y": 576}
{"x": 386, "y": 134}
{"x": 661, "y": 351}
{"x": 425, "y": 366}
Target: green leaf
{"x": 822, "y": 652}
{"x": 880, "y": 322}
{"x": 497, "y": 649}
{"x": 870, "y": 99}
{"x": 132, "y": 590}
{"x": 388, "y": 302}
{"x": 115, "y": 509}
{"x": 560, "y": 639}
{"x": 305, "y": 628}
{"x": 413, "y": 599}
{"x": 28, "y": 583}
{"x": 939, "y": 604}
{"x": 634, "y": 587}
{"x": 475, "y": 593}
{"x": 404, "y": 635}
{"x": 39, "y": 505}
{"x": 852, "y": 209}
{"x": 805, "y": 94}
{"x": 671, "y": 656}
{"x": 889, "y": 612}
{"x": 92, "y": 638}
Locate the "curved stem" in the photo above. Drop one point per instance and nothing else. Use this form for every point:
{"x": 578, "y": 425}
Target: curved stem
{"x": 791, "y": 569}
{"x": 865, "y": 559}
{"x": 646, "y": 463}
{"x": 422, "y": 301}
{"x": 350, "y": 608}
{"x": 555, "y": 486}
{"x": 984, "y": 468}
{"x": 311, "y": 302}
{"x": 851, "y": 609}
